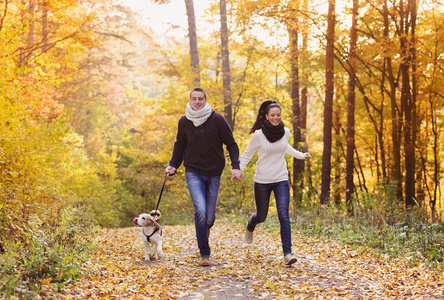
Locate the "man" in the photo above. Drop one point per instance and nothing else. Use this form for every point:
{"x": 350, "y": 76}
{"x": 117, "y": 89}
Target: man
{"x": 201, "y": 134}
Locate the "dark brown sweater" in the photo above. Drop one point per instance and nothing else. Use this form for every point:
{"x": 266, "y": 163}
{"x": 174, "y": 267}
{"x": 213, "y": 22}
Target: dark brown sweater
{"x": 201, "y": 148}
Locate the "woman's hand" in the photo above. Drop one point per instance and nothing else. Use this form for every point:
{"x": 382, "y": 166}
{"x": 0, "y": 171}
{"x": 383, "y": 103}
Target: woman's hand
{"x": 236, "y": 174}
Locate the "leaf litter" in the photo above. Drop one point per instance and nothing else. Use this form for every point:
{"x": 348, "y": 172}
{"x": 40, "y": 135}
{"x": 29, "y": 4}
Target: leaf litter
{"x": 325, "y": 269}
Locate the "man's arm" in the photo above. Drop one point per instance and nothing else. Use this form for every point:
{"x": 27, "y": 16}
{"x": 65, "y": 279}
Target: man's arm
{"x": 228, "y": 139}
{"x": 179, "y": 148}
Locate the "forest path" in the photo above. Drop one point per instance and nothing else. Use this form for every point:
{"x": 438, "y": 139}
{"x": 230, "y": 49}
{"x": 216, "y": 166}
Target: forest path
{"x": 325, "y": 269}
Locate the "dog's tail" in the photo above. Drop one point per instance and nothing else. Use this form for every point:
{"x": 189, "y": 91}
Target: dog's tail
{"x": 155, "y": 214}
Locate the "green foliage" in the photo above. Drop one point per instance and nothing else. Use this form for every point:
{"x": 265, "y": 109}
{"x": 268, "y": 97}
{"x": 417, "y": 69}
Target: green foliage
{"x": 51, "y": 250}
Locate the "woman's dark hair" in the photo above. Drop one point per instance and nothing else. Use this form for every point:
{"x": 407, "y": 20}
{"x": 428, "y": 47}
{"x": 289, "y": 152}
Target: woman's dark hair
{"x": 199, "y": 90}
{"x": 263, "y": 110}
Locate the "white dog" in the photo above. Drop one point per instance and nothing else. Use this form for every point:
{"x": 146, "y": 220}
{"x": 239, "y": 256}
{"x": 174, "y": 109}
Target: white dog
{"x": 151, "y": 234}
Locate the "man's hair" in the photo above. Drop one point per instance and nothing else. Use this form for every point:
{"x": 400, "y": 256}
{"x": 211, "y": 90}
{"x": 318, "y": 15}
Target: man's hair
{"x": 199, "y": 90}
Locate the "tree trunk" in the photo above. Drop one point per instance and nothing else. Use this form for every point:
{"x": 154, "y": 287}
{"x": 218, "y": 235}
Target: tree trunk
{"x": 415, "y": 124}
{"x": 338, "y": 157}
{"x": 294, "y": 57}
{"x": 226, "y": 76}
{"x": 395, "y": 114}
{"x": 31, "y": 29}
{"x": 407, "y": 39}
{"x": 328, "y": 104}
{"x": 351, "y": 96}
{"x": 193, "y": 42}
{"x": 45, "y": 46}
{"x": 26, "y": 52}
{"x": 304, "y": 100}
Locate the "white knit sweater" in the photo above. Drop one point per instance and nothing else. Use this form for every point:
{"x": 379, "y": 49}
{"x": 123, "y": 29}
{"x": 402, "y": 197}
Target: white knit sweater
{"x": 271, "y": 165}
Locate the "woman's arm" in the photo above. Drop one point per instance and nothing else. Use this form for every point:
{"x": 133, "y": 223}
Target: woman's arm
{"x": 252, "y": 147}
{"x": 297, "y": 154}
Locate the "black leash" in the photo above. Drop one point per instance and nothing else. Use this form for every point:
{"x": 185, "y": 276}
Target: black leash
{"x": 161, "y": 191}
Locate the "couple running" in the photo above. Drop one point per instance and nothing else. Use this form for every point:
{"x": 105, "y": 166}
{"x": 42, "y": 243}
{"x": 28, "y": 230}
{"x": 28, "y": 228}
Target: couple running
{"x": 199, "y": 143}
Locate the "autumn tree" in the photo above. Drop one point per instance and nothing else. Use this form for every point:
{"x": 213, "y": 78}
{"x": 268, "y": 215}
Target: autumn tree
{"x": 298, "y": 165}
{"x": 351, "y": 97}
{"x": 328, "y": 103}
{"x": 192, "y": 35}
{"x": 408, "y": 93}
{"x": 225, "y": 63}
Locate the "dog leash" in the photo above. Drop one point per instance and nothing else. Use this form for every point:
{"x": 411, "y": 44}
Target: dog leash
{"x": 161, "y": 191}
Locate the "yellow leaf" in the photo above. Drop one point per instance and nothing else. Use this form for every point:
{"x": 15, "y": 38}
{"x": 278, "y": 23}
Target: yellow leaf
{"x": 46, "y": 281}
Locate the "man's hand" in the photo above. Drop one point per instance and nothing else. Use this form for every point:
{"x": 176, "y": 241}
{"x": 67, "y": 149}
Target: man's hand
{"x": 236, "y": 174}
{"x": 170, "y": 171}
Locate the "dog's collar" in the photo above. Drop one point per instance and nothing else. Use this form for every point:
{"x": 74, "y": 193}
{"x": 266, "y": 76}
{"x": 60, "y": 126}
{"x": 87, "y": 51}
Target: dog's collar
{"x": 148, "y": 236}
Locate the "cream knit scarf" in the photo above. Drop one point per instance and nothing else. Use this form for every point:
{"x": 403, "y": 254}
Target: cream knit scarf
{"x": 198, "y": 117}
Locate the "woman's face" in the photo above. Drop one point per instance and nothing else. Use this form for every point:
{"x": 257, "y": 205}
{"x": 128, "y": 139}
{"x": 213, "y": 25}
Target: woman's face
{"x": 274, "y": 116}
{"x": 197, "y": 100}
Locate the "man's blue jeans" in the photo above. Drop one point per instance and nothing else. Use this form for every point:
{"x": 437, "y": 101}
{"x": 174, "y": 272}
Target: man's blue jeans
{"x": 262, "y": 193}
{"x": 203, "y": 191}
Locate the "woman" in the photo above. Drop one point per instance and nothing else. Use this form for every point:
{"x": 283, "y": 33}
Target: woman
{"x": 270, "y": 140}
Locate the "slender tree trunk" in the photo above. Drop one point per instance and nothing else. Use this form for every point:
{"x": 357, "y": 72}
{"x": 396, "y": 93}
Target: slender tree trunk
{"x": 328, "y": 104}
{"x": 21, "y": 58}
{"x": 338, "y": 156}
{"x": 297, "y": 165}
{"x": 226, "y": 63}
{"x": 415, "y": 127}
{"x": 395, "y": 114}
{"x": 407, "y": 98}
{"x": 304, "y": 99}
{"x": 30, "y": 41}
{"x": 193, "y": 42}
{"x": 436, "y": 172}
{"x": 381, "y": 142}
{"x": 45, "y": 46}
{"x": 351, "y": 96}
{"x": 26, "y": 52}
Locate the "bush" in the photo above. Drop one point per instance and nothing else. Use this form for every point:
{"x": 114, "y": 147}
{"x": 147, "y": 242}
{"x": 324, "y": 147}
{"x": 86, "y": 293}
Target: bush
{"x": 46, "y": 254}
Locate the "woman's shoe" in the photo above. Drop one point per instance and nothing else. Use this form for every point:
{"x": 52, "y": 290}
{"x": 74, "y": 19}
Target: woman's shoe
{"x": 289, "y": 259}
{"x": 248, "y": 236}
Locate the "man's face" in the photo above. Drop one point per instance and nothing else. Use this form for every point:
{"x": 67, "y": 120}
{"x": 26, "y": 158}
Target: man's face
{"x": 197, "y": 100}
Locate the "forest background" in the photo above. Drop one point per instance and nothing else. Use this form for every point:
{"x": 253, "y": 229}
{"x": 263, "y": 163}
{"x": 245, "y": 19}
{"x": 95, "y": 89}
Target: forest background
{"x": 90, "y": 99}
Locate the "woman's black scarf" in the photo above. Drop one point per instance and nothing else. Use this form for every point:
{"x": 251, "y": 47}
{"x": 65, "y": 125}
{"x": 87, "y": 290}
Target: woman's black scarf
{"x": 273, "y": 133}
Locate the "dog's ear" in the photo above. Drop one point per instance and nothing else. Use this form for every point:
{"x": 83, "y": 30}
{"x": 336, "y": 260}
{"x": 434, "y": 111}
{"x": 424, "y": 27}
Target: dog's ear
{"x": 155, "y": 214}
{"x": 151, "y": 222}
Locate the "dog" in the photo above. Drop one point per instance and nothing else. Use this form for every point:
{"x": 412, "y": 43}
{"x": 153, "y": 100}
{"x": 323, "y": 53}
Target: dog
{"x": 151, "y": 234}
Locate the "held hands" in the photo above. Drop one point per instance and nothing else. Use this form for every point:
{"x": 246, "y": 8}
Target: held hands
{"x": 236, "y": 174}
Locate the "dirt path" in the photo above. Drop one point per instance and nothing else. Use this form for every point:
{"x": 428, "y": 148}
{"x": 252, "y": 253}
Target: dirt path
{"x": 242, "y": 271}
